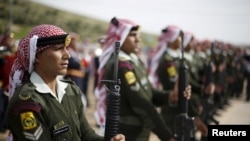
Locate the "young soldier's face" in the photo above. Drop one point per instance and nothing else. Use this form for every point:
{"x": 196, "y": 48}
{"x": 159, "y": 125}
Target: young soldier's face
{"x": 53, "y": 60}
{"x": 176, "y": 44}
{"x": 132, "y": 43}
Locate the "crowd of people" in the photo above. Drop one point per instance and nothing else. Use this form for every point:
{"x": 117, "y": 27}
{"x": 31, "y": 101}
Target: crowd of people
{"x": 44, "y": 82}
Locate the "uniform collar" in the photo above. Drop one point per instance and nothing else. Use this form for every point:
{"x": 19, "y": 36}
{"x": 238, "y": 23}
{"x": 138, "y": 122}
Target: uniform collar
{"x": 124, "y": 56}
{"x": 131, "y": 57}
{"x": 43, "y": 88}
{"x": 174, "y": 53}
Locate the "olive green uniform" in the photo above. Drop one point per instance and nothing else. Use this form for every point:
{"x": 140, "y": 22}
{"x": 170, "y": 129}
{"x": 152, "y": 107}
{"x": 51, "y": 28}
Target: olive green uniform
{"x": 195, "y": 81}
{"x": 168, "y": 71}
{"x": 219, "y": 79}
{"x": 138, "y": 115}
{"x": 39, "y": 116}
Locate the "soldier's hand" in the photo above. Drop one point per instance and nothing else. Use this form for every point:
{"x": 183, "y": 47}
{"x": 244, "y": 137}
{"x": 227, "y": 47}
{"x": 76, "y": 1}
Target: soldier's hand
{"x": 201, "y": 126}
{"x": 172, "y": 139}
{"x": 187, "y": 92}
{"x": 210, "y": 88}
{"x": 174, "y": 97}
{"x": 119, "y": 137}
{"x": 218, "y": 89}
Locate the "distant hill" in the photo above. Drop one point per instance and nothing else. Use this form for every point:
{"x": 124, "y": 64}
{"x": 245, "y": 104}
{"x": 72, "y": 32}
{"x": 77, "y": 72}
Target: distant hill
{"x": 21, "y": 15}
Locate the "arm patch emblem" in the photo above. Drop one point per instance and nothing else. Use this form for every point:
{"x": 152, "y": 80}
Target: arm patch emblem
{"x": 28, "y": 120}
{"x": 171, "y": 71}
{"x": 130, "y": 77}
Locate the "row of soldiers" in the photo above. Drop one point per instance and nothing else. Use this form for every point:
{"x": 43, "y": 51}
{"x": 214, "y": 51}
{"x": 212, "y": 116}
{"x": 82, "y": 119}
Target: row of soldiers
{"x": 210, "y": 67}
{"x": 215, "y": 70}
{"x": 221, "y": 66}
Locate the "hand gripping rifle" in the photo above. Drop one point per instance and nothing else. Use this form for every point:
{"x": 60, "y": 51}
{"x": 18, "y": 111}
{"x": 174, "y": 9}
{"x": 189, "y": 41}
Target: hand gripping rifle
{"x": 186, "y": 132}
{"x": 113, "y": 101}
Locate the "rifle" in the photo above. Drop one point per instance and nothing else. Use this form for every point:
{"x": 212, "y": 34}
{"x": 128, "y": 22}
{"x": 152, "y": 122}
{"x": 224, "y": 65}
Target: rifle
{"x": 113, "y": 101}
{"x": 187, "y": 123}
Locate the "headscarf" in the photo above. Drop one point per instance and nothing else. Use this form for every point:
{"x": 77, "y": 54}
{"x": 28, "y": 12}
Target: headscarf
{"x": 118, "y": 30}
{"x": 187, "y": 38}
{"x": 40, "y": 38}
{"x": 168, "y": 35}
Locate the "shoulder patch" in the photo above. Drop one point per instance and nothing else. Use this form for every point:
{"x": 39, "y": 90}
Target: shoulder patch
{"x": 171, "y": 71}
{"x": 28, "y": 120}
{"x": 130, "y": 77}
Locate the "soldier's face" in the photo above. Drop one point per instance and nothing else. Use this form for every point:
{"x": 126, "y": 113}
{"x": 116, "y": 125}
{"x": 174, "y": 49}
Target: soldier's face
{"x": 132, "y": 43}
{"x": 53, "y": 61}
{"x": 190, "y": 45}
{"x": 176, "y": 44}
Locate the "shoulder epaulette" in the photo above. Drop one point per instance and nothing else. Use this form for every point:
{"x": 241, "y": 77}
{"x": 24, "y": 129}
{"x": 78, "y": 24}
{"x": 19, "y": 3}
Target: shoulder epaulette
{"x": 125, "y": 64}
{"x": 26, "y": 91}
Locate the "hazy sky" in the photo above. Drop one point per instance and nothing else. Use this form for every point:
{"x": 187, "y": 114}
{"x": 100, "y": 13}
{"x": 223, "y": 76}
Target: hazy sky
{"x": 225, "y": 20}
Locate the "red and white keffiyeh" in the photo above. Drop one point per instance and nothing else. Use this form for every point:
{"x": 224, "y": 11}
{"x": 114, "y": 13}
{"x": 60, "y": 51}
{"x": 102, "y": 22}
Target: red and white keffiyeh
{"x": 27, "y": 50}
{"x": 169, "y": 35}
{"x": 187, "y": 38}
{"x": 118, "y": 30}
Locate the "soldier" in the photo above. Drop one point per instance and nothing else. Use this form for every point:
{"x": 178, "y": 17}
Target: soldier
{"x": 138, "y": 115}
{"x": 205, "y": 51}
{"x": 164, "y": 74}
{"x": 240, "y": 72}
{"x": 219, "y": 76}
{"x": 42, "y": 107}
{"x": 195, "y": 80}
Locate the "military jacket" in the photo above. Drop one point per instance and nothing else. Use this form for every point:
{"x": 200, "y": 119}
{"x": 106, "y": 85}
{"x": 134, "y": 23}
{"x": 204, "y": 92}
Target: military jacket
{"x": 193, "y": 73}
{"x": 37, "y": 116}
{"x": 138, "y": 100}
{"x": 167, "y": 71}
